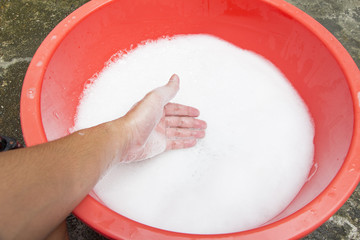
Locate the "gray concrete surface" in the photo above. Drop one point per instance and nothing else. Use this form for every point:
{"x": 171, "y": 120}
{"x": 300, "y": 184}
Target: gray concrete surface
{"x": 25, "y": 23}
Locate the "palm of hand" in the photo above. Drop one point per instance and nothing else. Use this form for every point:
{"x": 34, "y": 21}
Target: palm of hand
{"x": 176, "y": 128}
{"x": 154, "y": 125}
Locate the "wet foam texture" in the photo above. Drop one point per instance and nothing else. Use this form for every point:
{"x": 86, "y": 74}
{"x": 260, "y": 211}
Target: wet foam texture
{"x": 253, "y": 161}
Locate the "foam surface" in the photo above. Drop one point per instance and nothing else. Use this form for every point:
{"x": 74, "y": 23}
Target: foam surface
{"x": 254, "y": 159}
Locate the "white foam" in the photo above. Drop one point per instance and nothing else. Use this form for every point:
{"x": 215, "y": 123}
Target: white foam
{"x": 257, "y": 153}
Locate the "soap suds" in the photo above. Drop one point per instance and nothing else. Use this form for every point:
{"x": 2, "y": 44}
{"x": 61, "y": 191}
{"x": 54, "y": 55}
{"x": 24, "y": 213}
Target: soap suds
{"x": 256, "y": 155}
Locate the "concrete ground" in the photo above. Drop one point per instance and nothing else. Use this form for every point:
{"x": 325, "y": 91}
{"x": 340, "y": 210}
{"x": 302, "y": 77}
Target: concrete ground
{"x": 25, "y": 23}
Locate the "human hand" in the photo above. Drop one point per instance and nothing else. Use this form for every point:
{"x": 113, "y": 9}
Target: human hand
{"x": 154, "y": 125}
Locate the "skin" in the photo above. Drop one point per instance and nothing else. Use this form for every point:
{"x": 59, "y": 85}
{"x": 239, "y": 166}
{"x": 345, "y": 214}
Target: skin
{"x": 41, "y": 185}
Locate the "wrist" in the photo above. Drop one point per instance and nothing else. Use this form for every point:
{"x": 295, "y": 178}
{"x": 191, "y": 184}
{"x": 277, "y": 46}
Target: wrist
{"x": 119, "y": 136}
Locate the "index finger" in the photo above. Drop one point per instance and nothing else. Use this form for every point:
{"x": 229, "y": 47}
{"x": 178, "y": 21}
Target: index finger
{"x": 175, "y": 109}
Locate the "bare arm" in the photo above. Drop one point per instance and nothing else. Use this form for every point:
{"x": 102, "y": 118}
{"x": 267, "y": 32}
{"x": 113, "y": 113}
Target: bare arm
{"x": 41, "y": 185}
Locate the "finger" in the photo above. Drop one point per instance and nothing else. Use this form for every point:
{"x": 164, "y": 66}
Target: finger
{"x": 174, "y": 109}
{"x": 184, "y": 122}
{"x": 180, "y": 143}
{"x": 151, "y": 106}
{"x": 184, "y": 133}
{"x": 166, "y": 92}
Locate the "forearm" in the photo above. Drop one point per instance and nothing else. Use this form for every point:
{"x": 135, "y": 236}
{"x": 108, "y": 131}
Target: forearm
{"x": 40, "y": 185}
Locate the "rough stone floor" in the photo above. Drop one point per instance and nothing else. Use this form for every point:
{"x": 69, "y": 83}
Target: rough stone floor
{"x": 25, "y": 23}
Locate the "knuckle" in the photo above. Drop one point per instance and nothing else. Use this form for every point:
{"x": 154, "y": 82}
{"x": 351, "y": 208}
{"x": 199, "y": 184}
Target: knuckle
{"x": 167, "y": 121}
{"x": 177, "y": 132}
{"x": 176, "y": 108}
{"x": 154, "y": 96}
{"x": 182, "y": 121}
{"x": 174, "y": 145}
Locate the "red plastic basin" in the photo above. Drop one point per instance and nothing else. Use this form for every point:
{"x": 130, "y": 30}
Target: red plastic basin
{"x": 311, "y": 58}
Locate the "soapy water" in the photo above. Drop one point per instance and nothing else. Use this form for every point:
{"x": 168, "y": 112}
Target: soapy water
{"x": 256, "y": 155}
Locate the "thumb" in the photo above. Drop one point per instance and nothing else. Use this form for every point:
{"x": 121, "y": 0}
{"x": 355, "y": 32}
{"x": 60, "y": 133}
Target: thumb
{"x": 168, "y": 91}
{"x": 156, "y": 99}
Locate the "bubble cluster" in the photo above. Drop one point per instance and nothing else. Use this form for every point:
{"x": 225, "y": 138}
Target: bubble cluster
{"x": 253, "y": 161}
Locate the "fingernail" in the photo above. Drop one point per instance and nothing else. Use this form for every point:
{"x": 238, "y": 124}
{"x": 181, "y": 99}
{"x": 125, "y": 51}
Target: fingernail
{"x": 174, "y": 77}
{"x": 190, "y": 143}
{"x": 201, "y": 124}
{"x": 195, "y": 112}
{"x": 198, "y": 134}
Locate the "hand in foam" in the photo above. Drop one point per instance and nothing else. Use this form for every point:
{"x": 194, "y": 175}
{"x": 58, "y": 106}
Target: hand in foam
{"x": 154, "y": 125}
